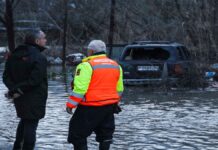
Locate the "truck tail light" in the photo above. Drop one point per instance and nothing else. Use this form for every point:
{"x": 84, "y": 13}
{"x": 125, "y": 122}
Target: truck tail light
{"x": 178, "y": 70}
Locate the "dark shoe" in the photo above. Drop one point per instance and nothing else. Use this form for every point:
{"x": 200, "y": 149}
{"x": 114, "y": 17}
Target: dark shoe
{"x": 29, "y": 146}
{"x": 14, "y": 148}
{"x": 17, "y": 146}
{"x": 104, "y": 145}
{"x": 84, "y": 147}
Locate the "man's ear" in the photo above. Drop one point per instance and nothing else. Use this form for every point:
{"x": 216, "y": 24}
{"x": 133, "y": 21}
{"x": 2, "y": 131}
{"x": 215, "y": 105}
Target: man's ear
{"x": 90, "y": 52}
{"x": 37, "y": 41}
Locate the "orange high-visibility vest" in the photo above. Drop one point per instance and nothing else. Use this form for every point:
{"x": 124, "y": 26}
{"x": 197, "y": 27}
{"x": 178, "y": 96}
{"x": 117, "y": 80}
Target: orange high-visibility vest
{"x": 102, "y": 88}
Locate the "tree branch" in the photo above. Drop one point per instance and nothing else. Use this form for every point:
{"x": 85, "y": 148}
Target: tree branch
{"x": 15, "y": 3}
{"x": 179, "y": 10}
{"x": 2, "y": 20}
{"x": 53, "y": 20}
{"x": 1, "y": 12}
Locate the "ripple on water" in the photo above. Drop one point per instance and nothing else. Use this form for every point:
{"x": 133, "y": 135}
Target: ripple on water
{"x": 149, "y": 121}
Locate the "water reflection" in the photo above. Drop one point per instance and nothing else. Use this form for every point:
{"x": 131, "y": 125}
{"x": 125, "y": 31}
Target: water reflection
{"x": 150, "y": 120}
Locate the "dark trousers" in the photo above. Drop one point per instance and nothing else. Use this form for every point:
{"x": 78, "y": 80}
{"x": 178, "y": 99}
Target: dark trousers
{"x": 88, "y": 119}
{"x": 26, "y": 135}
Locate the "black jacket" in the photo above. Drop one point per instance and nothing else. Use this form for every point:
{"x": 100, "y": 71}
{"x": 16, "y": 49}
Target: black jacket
{"x": 26, "y": 71}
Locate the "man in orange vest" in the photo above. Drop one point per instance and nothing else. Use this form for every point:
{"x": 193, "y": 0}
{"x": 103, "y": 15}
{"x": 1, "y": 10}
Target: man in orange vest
{"x": 98, "y": 86}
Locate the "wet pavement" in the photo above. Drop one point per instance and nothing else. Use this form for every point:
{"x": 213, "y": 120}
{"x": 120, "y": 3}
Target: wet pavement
{"x": 150, "y": 120}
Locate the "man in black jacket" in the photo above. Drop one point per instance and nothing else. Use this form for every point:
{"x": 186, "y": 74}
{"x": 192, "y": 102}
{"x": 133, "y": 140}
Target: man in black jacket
{"x": 25, "y": 76}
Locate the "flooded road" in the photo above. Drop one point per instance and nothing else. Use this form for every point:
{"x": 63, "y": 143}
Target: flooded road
{"x": 150, "y": 120}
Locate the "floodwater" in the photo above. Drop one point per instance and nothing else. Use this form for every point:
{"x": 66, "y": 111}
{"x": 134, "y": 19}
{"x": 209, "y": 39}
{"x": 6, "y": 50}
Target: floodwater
{"x": 150, "y": 119}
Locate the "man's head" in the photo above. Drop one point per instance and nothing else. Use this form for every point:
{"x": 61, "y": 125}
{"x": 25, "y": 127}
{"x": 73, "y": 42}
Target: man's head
{"x": 96, "y": 46}
{"x": 36, "y": 37}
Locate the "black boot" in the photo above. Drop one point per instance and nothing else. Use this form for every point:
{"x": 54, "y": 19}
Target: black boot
{"x": 104, "y": 145}
{"x": 29, "y": 146}
{"x": 17, "y": 145}
{"x": 83, "y": 147}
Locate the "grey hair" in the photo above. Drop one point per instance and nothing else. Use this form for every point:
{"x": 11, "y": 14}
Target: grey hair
{"x": 32, "y": 36}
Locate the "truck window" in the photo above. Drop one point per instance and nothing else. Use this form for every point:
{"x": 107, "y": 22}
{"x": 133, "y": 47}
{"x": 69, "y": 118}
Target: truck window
{"x": 146, "y": 54}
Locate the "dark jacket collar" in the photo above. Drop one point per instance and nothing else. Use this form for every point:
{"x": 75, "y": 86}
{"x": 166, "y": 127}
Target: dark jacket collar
{"x": 37, "y": 46}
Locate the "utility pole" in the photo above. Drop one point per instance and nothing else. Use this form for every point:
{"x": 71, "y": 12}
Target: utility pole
{"x": 111, "y": 30}
{"x": 65, "y": 32}
{"x": 8, "y": 21}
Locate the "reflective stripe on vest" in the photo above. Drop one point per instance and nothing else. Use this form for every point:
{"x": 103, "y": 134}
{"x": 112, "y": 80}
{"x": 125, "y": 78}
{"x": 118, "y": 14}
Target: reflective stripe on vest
{"x": 77, "y": 95}
{"x": 105, "y": 66}
{"x": 72, "y": 102}
{"x": 74, "y": 99}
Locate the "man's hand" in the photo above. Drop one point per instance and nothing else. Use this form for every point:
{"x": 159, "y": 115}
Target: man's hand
{"x": 12, "y": 95}
{"x": 69, "y": 110}
{"x": 10, "y": 99}
{"x": 15, "y": 95}
{"x": 117, "y": 109}
{"x": 7, "y": 95}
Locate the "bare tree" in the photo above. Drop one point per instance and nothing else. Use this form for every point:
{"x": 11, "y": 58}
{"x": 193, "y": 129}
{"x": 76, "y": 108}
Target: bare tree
{"x": 191, "y": 22}
{"x": 7, "y": 19}
{"x": 199, "y": 22}
{"x": 111, "y": 30}
{"x": 65, "y": 31}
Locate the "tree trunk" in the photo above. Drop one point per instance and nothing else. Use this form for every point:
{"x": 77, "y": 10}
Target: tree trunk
{"x": 65, "y": 32}
{"x": 187, "y": 25}
{"x": 9, "y": 24}
{"x": 215, "y": 17}
{"x": 111, "y": 31}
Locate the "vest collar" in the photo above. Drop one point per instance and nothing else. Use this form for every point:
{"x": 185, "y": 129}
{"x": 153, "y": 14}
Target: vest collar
{"x": 92, "y": 57}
